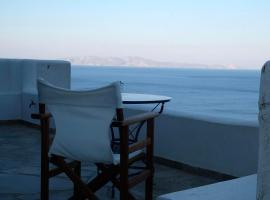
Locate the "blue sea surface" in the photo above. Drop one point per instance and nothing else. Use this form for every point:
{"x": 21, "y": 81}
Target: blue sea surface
{"x": 231, "y": 94}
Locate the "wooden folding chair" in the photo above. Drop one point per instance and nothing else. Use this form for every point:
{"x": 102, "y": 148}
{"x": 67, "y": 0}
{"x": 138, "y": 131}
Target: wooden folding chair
{"x": 76, "y": 113}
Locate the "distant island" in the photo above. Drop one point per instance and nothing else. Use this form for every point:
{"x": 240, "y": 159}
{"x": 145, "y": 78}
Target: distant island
{"x": 134, "y": 61}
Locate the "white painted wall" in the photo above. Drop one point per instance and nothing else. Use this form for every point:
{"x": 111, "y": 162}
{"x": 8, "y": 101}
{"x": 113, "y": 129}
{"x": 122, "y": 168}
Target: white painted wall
{"x": 263, "y": 183}
{"x": 54, "y": 71}
{"x": 10, "y": 89}
{"x": 10, "y": 106}
{"x": 18, "y": 84}
{"x": 206, "y": 143}
{"x": 225, "y": 148}
{"x": 10, "y": 76}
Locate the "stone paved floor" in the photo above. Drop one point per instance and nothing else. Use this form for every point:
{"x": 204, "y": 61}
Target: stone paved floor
{"x": 19, "y": 170}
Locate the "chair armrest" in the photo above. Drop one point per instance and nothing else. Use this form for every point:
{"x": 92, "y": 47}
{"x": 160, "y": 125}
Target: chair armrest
{"x": 41, "y": 116}
{"x": 135, "y": 119}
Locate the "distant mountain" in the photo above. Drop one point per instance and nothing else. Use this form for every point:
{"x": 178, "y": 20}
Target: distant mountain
{"x": 134, "y": 62}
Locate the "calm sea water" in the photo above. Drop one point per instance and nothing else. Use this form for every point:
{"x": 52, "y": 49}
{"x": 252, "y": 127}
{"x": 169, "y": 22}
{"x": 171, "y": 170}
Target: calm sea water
{"x": 231, "y": 94}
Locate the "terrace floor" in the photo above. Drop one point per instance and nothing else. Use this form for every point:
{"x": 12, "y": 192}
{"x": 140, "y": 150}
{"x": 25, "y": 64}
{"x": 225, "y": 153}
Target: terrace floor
{"x": 20, "y": 164}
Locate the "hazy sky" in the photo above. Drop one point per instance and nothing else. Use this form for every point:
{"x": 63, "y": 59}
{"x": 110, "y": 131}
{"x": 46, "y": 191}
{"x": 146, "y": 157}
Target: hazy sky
{"x": 226, "y": 32}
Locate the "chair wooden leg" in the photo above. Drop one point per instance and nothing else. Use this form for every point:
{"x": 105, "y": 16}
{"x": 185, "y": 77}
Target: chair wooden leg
{"x": 44, "y": 176}
{"x": 149, "y": 160}
{"x": 116, "y": 183}
{"x": 124, "y": 163}
{"x": 76, "y": 188}
{"x": 107, "y": 173}
{"x": 75, "y": 179}
{"x": 44, "y": 186}
{"x": 149, "y": 188}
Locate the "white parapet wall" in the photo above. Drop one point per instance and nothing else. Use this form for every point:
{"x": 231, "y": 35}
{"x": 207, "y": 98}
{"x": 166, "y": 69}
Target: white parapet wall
{"x": 223, "y": 146}
{"x": 227, "y": 147}
{"x": 18, "y": 92}
{"x": 54, "y": 71}
{"x": 10, "y": 89}
{"x": 263, "y": 183}
{"x": 214, "y": 145}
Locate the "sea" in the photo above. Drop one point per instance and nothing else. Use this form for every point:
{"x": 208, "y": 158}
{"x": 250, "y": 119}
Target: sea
{"x": 228, "y": 94}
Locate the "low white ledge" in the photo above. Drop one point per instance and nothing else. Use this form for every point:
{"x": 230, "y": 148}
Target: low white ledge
{"x": 237, "y": 189}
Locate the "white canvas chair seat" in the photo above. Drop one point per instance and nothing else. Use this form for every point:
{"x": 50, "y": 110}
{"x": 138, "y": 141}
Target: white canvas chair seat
{"x": 116, "y": 157}
{"x": 82, "y": 120}
{"x": 237, "y": 189}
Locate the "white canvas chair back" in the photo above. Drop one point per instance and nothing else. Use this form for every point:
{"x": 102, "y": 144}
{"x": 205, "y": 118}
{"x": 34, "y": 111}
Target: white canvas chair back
{"x": 82, "y": 120}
